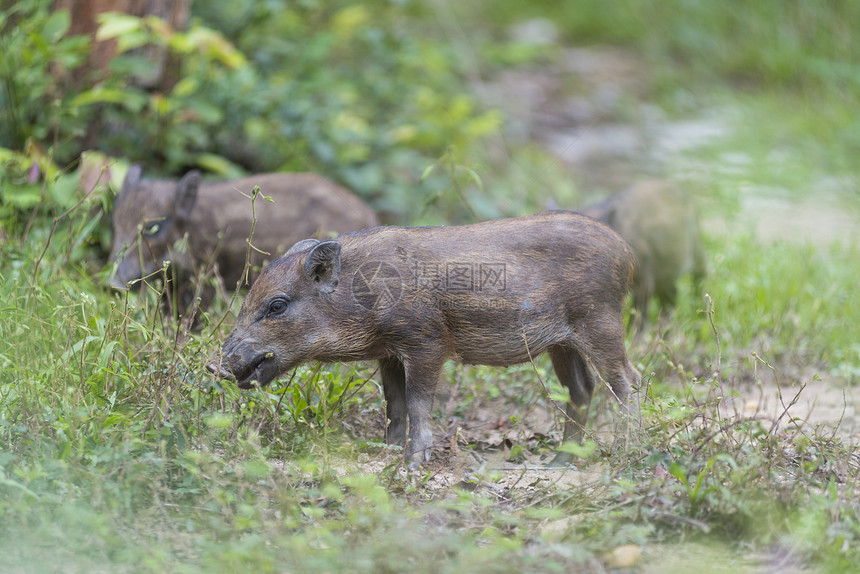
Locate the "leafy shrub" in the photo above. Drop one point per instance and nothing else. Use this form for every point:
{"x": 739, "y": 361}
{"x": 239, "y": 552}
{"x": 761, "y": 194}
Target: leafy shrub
{"x": 33, "y": 106}
{"x": 334, "y": 88}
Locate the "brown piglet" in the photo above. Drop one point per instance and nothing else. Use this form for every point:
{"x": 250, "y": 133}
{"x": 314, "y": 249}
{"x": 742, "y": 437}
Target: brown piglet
{"x": 495, "y": 293}
{"x": 660, "y": 225}
{"x": 195, "y": 225}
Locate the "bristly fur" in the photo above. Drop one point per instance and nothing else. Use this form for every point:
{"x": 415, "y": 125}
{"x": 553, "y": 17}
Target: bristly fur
{"x": 492, "y": 293}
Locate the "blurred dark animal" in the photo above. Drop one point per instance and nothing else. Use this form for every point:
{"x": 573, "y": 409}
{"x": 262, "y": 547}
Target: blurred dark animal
{"x": 495, "y": 293}
{"x": 661, "y": 227}
{"x": 196, "y": 225}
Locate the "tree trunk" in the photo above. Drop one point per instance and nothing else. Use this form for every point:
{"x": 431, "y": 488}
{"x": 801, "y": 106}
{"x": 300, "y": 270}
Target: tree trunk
{"x": 84, "y": 21}
{"x": 84, "y": 14}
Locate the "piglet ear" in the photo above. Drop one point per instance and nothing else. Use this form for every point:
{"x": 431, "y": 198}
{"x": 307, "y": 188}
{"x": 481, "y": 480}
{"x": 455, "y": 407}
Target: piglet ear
{"x": 132, "y": 177}
{"x": 611, "y": 217}
{"x": 302, "y": 245}
{"x": 322, "y": 266}
{"x": 186, "y": 194}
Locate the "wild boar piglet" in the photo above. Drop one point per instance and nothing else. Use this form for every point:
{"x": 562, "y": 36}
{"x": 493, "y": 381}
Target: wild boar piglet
{"x": 494, "y": 293}
{"x": 193, "y": 225}
{"x": 661, "y": 226}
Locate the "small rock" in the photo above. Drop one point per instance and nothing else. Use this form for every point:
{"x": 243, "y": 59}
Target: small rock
{"x": 624, "y": 556}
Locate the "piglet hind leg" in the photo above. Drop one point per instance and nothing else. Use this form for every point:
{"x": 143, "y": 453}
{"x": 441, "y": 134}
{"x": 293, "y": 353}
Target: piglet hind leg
{"x": 608, "y": 362}
{"x": 572, "y": 372}
{"x": 394, "y": 387}
{"x": 597, "y": 356}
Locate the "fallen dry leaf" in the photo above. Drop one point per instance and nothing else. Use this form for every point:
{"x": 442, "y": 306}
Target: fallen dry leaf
{"x": 624, "y": 556}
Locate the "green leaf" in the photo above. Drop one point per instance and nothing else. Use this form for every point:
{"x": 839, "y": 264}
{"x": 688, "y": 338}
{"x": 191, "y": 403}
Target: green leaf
{"x": 216, "y": 46}
{"x": 219, "y": 165}
{"x": 86, "y": 231}
{"x": 257, "y": 469}
{"x": 186, "y": 86}
{"x": 21, "y": 197}
{"x": 180, "y": 43}
{"x": 516, "y": 452}
{"x": 427, "y": 171}
{"x": 116, "y": 24}
{"x": 677, "y": 471}
{"x": 78, "y": 347}
{"x": 11, "y": 483}
{"x": 136, "y": 65}
{"x": 696, "y": 494}
{"x": 219, "y": 421}
{"x": 64, "y": 190}
{"x": 583, "y": 450}
{"x": 475, "y": 177}
{"x": 57, "y": 25}
{"x": 99, "y": 96}
{"x": 132, "y": 101}
{"x": 132, "y": 40}
{"x": 208, "y": 113}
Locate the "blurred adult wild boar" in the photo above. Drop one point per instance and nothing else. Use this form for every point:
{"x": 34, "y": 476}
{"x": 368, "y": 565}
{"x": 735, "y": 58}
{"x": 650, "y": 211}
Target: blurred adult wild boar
{"x": 494, "y": 293}
{"x": 661, "y": 227}
{"x": 195, "y": 225}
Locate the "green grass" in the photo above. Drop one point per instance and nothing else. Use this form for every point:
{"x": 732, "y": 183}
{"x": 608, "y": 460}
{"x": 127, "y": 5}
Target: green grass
{"x": 805, "y": 46}
{"x": 119, "y": 453}
{"x": 765, "y": 301}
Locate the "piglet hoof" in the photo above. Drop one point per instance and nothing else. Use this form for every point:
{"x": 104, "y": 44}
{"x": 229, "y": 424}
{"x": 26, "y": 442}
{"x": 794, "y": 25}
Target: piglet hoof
{"x": 417, "y": 459}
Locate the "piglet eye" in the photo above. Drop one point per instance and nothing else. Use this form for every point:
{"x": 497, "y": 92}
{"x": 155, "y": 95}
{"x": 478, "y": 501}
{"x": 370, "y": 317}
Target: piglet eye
{"x": 277, "y": 306}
